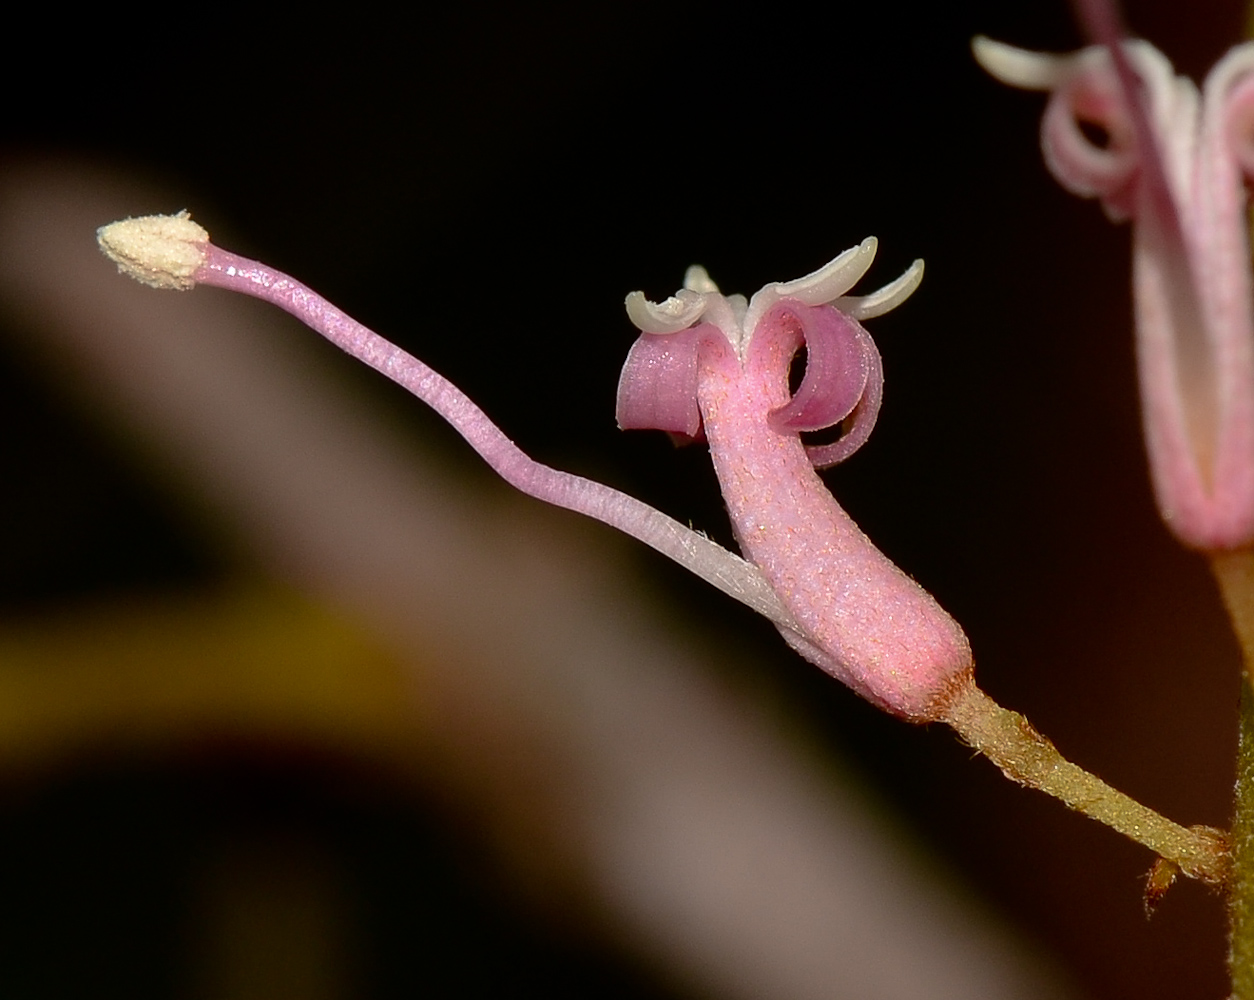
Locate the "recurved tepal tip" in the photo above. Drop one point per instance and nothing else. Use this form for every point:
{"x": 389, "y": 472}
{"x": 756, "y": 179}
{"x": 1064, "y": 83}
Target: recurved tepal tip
{"x": 163, "y": 251}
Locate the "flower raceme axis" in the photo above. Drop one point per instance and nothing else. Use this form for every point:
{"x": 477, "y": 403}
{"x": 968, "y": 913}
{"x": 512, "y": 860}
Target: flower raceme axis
{"x": 1176, "y": 162}
{"x": 711, "y": 365}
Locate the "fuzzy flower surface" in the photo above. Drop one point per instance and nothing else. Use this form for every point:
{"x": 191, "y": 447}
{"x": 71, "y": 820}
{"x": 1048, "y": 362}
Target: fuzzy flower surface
{"x": 718, "y": 366}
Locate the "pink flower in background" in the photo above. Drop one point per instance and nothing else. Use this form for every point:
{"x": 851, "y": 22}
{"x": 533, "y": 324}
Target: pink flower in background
{"x": 1122, "y": 127}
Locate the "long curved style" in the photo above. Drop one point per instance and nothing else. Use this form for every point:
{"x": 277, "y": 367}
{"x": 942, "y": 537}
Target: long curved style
{"x": 835, "y": 598}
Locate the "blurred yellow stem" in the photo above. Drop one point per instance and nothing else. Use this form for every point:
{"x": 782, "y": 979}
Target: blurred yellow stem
{"x": 256, "y": 662}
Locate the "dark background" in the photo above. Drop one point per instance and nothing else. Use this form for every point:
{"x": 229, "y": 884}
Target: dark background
{"x": 484, "y": 185}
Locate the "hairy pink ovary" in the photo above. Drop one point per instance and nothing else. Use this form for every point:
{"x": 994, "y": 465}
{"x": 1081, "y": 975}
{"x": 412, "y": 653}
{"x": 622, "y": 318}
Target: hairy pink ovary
{"x": 865, "y": 621}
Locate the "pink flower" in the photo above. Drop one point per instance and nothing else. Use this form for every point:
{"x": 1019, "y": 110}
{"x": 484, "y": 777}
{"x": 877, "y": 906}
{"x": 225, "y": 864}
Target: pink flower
{"x": 716, "y": 365}
{"x": 1176, "y": 163}
{"x": 708, "y": 364}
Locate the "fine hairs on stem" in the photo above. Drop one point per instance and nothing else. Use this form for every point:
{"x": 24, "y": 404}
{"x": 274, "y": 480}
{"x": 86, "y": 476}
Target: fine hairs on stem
{"x": 883, "y": 635}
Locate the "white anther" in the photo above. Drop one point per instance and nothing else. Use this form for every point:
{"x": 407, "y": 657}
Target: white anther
{"x": 831, "y": 280}
{"x": 697, "y": 279}
{"x": 819, "y": 287}
{"x": 1020, "y": 68}
{"x": 163, "y": 251}
{"x": 677, "y": 313}
{"x": 885, "y": 299}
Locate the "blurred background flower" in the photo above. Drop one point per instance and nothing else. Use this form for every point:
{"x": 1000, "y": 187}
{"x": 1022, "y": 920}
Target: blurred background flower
{"x": 297, "y": 700}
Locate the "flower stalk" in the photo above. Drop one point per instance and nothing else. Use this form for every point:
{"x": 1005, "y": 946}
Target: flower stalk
{"x": 1025, "y": 756}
